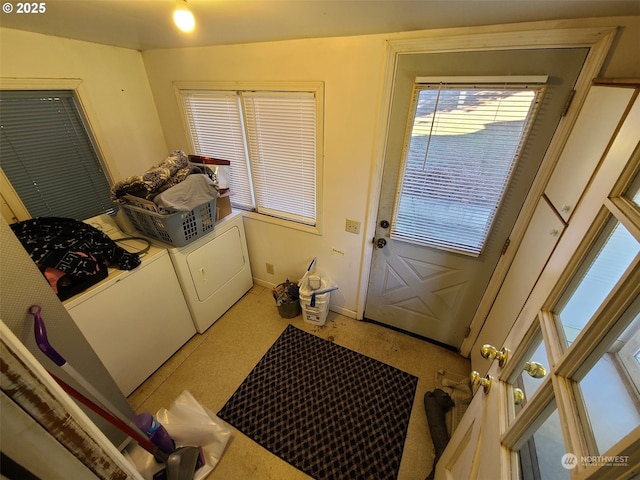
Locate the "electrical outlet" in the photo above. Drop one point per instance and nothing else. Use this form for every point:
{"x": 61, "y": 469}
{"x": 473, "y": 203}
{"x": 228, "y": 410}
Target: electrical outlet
{"x": 352, "y": 226}
{"x": 270, "y": 268}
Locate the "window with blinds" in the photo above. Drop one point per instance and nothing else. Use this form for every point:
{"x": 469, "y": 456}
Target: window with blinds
{"x": 270, "y": 138}
{"x": 48, "y": 156}
{"x": 461, "y": 147}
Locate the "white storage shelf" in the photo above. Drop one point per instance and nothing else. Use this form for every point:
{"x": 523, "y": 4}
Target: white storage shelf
{"x": 134, "y": 320}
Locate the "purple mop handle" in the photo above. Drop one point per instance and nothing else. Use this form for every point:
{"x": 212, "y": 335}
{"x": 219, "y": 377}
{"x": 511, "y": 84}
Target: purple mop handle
{"x": 41, "y": 337}
{"x": 49, "y": 351}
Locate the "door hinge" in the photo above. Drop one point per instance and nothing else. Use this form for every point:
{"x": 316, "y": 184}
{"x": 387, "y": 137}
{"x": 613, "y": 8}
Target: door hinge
{"x": 505, "y": 247}
{"x": 567, "y": 104}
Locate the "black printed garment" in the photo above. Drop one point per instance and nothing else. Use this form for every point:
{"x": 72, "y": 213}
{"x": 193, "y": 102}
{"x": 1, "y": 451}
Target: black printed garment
{"x": 72, "y": 255}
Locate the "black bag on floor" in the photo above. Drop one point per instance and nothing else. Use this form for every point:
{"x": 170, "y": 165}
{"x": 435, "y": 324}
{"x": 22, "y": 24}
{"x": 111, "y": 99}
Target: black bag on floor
{"x": 436, "y": 404}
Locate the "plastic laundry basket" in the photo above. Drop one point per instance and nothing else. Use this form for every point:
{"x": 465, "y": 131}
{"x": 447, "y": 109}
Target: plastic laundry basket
{"x": 177, "y": 229}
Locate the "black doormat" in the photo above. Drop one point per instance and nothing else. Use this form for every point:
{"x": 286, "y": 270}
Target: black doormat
{"x": 327, "y": 410}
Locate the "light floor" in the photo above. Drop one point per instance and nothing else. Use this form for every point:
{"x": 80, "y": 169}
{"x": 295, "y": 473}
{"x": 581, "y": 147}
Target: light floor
{"x": 211, "y": 366}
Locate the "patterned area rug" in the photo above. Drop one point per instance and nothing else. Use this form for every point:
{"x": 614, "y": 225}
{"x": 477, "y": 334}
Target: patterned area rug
{"x": 327, "y": 410}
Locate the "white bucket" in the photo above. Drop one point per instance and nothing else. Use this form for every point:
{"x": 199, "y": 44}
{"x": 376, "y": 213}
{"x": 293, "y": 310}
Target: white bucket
{"x": 316, "y": 313}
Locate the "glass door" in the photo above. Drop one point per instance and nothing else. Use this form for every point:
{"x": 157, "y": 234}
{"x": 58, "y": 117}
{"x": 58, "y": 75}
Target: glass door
{"x": 561, "y": 397}
{"x": 575, "y": 384}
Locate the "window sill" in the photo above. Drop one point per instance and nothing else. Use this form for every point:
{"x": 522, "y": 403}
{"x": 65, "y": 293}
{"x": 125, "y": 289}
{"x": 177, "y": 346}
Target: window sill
{"x": 315, "y": 230}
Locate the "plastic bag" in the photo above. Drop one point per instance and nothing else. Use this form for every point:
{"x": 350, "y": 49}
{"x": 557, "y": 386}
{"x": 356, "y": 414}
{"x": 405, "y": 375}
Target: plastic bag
{"x": 188, "y": 423}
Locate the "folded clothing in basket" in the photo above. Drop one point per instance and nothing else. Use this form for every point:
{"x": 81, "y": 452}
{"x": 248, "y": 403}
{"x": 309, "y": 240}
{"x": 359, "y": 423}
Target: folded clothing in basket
{"x": 192, "y": 192}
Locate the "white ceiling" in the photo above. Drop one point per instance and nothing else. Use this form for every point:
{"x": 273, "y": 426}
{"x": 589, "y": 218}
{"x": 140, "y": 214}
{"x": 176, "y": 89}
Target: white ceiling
{"x": 147, "y": 24}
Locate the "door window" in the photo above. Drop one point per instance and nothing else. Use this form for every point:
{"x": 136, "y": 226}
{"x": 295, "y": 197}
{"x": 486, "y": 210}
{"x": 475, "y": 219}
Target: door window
{"x": 537, "y": 457}
{"x": 591, "y": 333}
{"x": 598, "y": 371}
{"x": 633, "y": 193}
{"x": 585, "y": 417}
{"x": 610, "y": 257}
{"x": 533, "y": 372}
{"x": 613, "y": 380}
{"x": 627, "y": 356}
{"x": 461, "y": 146}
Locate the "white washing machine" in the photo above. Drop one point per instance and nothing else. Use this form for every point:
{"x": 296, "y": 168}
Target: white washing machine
{"x": 214, "y": 271}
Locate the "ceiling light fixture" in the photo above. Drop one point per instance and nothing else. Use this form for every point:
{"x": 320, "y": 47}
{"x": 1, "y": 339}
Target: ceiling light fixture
{"x": 183, "y": 17}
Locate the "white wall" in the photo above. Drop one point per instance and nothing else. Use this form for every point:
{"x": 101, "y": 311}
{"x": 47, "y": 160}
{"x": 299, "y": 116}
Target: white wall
{"x": 114, "y": 91}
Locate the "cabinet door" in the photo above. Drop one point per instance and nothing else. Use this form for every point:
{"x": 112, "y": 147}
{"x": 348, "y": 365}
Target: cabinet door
{"x": 596, "y": 124}
{"x": 135, "y": 324}
{"x": 538, "y": 243}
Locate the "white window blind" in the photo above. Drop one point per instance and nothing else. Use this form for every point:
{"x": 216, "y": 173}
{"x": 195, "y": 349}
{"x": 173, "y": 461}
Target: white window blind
{"x": 270, "y": 140}
{"x": 282, "y": 144}
{"x": 48, "y": 156}
{"x": 461, "y": 148}
{"x": 215, "y": 124}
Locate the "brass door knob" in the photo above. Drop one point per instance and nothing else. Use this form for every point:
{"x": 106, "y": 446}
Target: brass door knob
{"x": 535, "y": 369}
{"x": 490, "y": 353}
{"x": 518, "y": 396}
{"x": 484, "y": 382}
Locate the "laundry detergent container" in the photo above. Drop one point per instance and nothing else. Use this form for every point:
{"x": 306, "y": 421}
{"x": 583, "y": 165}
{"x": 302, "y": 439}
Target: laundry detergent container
{"x": 315, "y": 307}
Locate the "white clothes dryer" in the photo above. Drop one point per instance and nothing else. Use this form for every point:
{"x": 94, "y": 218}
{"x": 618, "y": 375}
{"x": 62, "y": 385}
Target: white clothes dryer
{"x": 214, "y": 271}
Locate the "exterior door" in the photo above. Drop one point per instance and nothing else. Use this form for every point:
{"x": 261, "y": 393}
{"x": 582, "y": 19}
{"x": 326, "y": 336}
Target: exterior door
{"x": 433, "y": 292}
{"x": 564, "y": 401}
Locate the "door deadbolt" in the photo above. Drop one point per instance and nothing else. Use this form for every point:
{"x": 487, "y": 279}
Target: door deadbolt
{"x": 381, "y": 243}
{"x": 384, "y": 224}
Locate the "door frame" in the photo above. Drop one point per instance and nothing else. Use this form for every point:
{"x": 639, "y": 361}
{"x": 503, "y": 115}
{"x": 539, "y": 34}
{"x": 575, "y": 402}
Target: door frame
{"x": 26, "y": 382}
{"x": 536, "y": 35}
